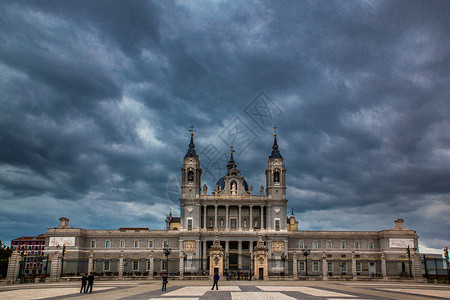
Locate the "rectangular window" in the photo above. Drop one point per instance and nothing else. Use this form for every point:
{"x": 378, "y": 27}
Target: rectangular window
{"x": 370, "y": 245}
{"x": 301, "y": 245}
{"x": 277, "y": 225}
{"x": 107, "y": 244}
{"x": 93, "y": 244}
{"x": 316, "y": 266}
{"x": 344, "y": 266}
{"x": 106, "y": 266}
{"x": 330, "y": 266}
{"x": 233, "y": 223}
{"x": 301, "y": 265}
{"x": 329, "y": 245}
{"x": 356, "y": 245}
{"x": 122, "y": 244}
{"x": 136, "y": 244}
{"x": 165, "y": 244}
{"x": 315, "y": 244}
{"x": 342, "y": 245}
{"x": 164, "y": 265}
{"x": 358, "y": 266}
{"x": 189, "y": 224}
{"x": 135, "y": 265}
{"x": 150, "y": 244}
{"x": 148, "y": 265}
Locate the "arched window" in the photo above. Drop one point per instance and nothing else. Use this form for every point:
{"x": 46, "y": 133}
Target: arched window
{"x": 276, "y": 176}
{"x": 190, "y": 176}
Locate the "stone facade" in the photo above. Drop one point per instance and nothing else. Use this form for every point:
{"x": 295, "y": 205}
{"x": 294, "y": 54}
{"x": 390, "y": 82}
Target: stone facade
{"x": 258, "y": 238}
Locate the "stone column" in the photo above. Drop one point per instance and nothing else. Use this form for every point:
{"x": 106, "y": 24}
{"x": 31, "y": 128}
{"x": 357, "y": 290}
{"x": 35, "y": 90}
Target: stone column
{"x": 204, "y": 216}
{"x": 239, "y": 218}
{"x": 215, "y": 217}
{"x": 354, "y": 275}
{"x": 197, "y": 255}
{"x": 226, "y": 217}
{"x": 152, "y": 265}
{"x": 383, "y": 266}
{"x": 324, "y": 266}
{"x": 13, "y": 268}
{"x": 91, "y": 262}
{"x": 269, "y": 217}
{"x": 262, "y": 217}
{"x": 181, "y": 265}
{"x": 251, "y": 217}
{"x": 204, "y": 257}
{"x": 417, "y": 266}
{"x": 286, "y": 254}
{"x": 227, "y": 250}
{"x": 120, "y": 265}
{"x": 239, "y": 254}
{"x": 55, "y": 268}
{"x": 252, "y": 264}
{"x": 294, "y": 266}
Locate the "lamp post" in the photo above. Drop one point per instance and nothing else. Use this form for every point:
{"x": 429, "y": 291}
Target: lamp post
{"x": 409, "y": 261}
{"x": 446, "y": 261}
{"x": 167, "y": 252}
{"x": 184, "y": 262}
{"x": 62, "y": 260}
{"x": 426, "y": 267}
{"x": 305, "y": 253}
{"x": 283, "y": 259}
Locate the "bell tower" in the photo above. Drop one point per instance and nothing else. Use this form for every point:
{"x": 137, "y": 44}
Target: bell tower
{"x": 276, "y": 189}
{"x": 275, "y": 173}
{"x": 191, "y": 172}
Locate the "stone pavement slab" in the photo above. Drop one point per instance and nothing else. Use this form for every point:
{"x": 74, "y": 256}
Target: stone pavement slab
{"x": 229, "y": 290}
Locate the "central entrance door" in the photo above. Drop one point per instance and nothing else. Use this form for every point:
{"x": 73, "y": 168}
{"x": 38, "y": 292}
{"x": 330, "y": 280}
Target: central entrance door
{"x": 261, "y": 273}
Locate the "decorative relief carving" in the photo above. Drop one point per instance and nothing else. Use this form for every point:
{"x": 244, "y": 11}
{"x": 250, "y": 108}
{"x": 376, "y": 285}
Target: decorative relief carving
{"x": 189, "y": 208}
{"x": 277, "y": 209}
{"x": 401, "y": 243}
{"x": 277, "y": 246}
{"x": 189, "y": 246}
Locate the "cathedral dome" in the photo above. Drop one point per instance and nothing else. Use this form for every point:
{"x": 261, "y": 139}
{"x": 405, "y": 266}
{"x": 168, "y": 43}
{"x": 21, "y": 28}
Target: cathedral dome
{"x": 221, "y": 183}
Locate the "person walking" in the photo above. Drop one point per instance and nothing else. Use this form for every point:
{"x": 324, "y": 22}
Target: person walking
{"x": 216, "y": 280}
{"x": 164, "y": 282}
{"x": 90, "y": 280}
{"x": 83, "y": 283}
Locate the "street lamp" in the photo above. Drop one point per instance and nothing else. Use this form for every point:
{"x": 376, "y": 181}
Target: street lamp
{"x": 283, "y": 259}
{"x": 167, "y": 252}
{"x": 306, "y": 252}
{"x": 184, "y": 262}
{"x": 408, "y": 251}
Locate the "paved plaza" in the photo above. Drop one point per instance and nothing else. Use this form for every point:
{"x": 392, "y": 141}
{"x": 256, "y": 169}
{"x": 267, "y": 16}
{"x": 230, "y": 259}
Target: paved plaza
{"x": 233, "y": 290}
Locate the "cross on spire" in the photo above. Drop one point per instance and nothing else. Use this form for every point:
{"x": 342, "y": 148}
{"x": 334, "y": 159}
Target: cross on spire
{"x": 191, "y": 130}
{"x": 232, "y": 150}
{"x": 275, "y": 130}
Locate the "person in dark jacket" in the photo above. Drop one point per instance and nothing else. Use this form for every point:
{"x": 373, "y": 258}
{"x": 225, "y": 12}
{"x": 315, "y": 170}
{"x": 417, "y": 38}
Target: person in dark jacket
{"x": 90, "y": 280}
{"x": 216, "y": 280}
{"x": 164, "y": 282}
{"x": 83, "y": 283}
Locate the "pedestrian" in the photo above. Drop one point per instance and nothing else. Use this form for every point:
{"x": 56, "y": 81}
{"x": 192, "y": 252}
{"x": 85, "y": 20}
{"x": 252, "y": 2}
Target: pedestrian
{"x": 164, "y": 280}
{"x": 216, "y": 280}
{"x": 83, "y": 283}
{"x": 90, "y": 280}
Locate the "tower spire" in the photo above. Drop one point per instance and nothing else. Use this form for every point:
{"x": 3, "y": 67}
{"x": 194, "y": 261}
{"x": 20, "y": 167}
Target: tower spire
{"x": 275, "y": 153}
{"x": 231, "y": 164}
{"x": 191, "y": 152}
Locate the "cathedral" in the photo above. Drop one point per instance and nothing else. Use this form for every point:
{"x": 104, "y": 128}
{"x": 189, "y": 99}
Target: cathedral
{"x": 236, "y": 231}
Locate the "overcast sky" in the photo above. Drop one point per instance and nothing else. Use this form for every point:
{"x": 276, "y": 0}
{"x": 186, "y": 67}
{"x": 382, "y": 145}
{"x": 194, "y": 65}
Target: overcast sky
{"x": 97, "y": 98}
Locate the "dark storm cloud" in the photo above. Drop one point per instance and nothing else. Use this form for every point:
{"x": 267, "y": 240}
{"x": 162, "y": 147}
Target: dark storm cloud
{"x": 97, "y": 97}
